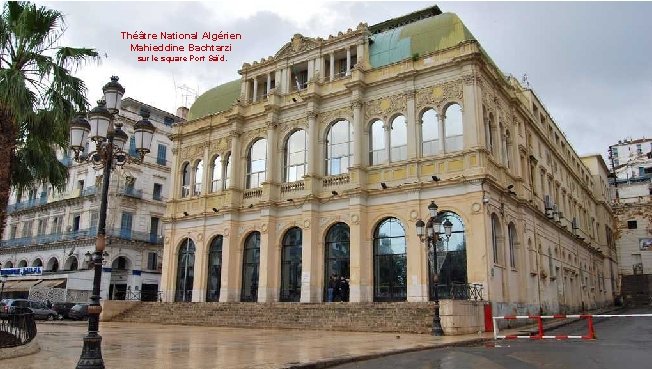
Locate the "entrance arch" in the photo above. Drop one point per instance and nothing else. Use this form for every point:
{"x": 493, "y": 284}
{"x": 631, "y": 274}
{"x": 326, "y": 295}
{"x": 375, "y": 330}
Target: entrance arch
{"x": 214, "y": 270}
{"x": 291, "y": 266}
{"x": 185, "y": 271}
{"x": 390, "y": 261}
{"x": 451, "y": 259}
{"x": 250, "y": 265}
{"x": 338, "y": 256}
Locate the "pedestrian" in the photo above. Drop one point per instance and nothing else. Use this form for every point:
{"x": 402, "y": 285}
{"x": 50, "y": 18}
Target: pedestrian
{"x": 345, "y": 289}
{"x": 331, "y": 287}
{"x": 48, "y": 303}
{"x": 337, "y": 295}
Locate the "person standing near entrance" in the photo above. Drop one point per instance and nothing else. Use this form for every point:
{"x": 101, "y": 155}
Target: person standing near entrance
{"x": 331, "y": 287}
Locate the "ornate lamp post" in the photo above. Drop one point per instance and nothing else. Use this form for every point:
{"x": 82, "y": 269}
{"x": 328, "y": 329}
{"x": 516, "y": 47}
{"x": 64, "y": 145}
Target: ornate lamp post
{"x": 3, "y": 279}
{"x": 109, "y": 139}
{"x": 430, "y": 234}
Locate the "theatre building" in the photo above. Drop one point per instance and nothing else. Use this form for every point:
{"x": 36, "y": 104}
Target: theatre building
{"x": 320, "y": 160}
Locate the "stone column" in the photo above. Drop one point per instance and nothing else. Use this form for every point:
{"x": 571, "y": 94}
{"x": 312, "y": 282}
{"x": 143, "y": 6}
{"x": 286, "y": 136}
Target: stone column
{"x": 269, "y": 83}
{"x": 472, "y": 119}
{"x": 234, "y": 177}
{"x": 272, "y": 159}
{"x": 200, "y": 279}
{"x": 412, "y": 135}
{"x": 255, "y": 97}
{"x": 313, "y": 146}
{"x": 358, "y": 134}
{"x": 360, "y": 53}
{"x": 268, "y": 284}
{"x": 348, "y": 60}
{"x": 388, "y": 145}
{"x": 441, "y": 120}
{"x": 311, "y": 69}
{"x": 168, "y": 276}
{"x": 332, "y": 65}
{"x": 231, "y": 264}
{"x": 361, "y": 263}
{"x": 312, "y": 255}
{"x": 278, "y": 85}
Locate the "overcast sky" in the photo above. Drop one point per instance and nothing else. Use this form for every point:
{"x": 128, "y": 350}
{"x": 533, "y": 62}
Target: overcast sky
{"x": 588, "y": 62}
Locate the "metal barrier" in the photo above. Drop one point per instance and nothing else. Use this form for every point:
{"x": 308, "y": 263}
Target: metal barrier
{"x": 540, "y": 333}
{"x": 17, "y": 329}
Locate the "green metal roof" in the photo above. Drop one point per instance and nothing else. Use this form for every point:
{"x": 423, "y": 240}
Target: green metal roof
{"x": 421, "y": 37}
{"x": 215, "y": 100}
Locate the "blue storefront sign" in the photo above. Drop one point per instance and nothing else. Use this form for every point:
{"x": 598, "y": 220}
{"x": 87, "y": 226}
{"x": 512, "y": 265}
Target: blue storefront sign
{"x": 21, "y": 271}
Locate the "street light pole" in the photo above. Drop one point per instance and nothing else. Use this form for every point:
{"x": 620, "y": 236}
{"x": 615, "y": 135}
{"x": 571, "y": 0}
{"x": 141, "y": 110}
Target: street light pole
{"x": 430, "y": 233}
{"x": 110, "y": 140}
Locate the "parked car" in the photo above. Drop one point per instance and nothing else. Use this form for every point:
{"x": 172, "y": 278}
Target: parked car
{"x": 79, "y": 312}
{"x": 63, "y": 308}
{"x": 38, "y": 308}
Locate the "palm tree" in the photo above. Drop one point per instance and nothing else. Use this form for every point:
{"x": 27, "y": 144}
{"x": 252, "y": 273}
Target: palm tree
{"x": 38, "y": 97}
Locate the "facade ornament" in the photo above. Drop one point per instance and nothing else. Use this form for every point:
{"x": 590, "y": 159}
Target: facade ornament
{"x": 263, "y": 228}
{"x": 438, "y": 94}
{"x": 306, "y": 223}
{"x": 332, "y": 115}
{"x": 385, "y": 107}
{"x": 355, "y": 218}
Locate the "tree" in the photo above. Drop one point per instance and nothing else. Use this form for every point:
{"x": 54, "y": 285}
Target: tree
{"x": 38, "y": 98}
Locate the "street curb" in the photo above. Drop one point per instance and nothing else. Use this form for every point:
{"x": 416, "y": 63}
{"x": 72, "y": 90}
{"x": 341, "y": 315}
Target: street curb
{"x": 328, "y": 363}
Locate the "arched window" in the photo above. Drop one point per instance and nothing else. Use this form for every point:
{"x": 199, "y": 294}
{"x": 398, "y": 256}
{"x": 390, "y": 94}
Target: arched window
{"x": 214, "y": 270}
{"x": 377, "y": 143}
{"x": 227, "y": 170}
{"x": 71, "y": 263}
{"x": 430, "y": 133}
{"x": 185, "y": 180}
{"x": 390, "y": 261}
{"x": 53, "y": 265}
{"x": 453, "y": 128}
{"x": 250, "y": 265}
{"x": 9, "y": 264}
{"x": 291, "y": 265}
{"x": 199, "y": 174}
{"x": 185, "y": 271}
{"x": 398, "y": 139}
{"x": 451, "y": 258}
{"x": 339, "y": 148}
{"x": 508, "y": 149}
{"x": 338, "y": 258}
{"x": 511, "y": 231}
{"x": 488, "y": 133}
{"x": 496, "y": 239}
{"x": 37, "y": 263}
{"x": 257, "y": 163}
{"x": 22, "y": 264}
{"x": 295, "y": 156}
{"x": 217, "y": 174}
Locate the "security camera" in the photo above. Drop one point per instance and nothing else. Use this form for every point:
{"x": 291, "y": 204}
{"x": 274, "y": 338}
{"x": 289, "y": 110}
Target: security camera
{"x": 485, "y": 200}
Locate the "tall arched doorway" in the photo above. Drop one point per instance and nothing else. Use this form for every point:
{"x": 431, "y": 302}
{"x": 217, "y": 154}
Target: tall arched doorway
{"x": 338, "y": 256}
{"x": 390, "y": 261}
{"x": 185, "y": 271}
{"x": 120, "y": 272}
{"x": 250, "y": 265}
{"x": 451, "y": 260}
{"x": 291, "y": 266}
{"x": 214, "y": 270}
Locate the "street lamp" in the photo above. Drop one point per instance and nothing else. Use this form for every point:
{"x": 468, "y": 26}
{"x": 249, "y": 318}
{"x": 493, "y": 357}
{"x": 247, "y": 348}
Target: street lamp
{"x": 430, "y": 233}
{"x": 110, "y": 139}
{"x": 3, "y": 279}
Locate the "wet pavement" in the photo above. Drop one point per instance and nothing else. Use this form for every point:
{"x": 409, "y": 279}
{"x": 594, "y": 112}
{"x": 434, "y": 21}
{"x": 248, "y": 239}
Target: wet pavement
{"x": 152, "y": 346}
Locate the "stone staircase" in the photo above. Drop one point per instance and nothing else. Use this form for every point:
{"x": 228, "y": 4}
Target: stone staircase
{"x": 404, "y": 317}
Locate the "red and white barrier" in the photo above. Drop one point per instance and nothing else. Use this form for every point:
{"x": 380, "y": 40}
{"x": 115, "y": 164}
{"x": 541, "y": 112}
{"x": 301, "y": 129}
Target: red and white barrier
{"x": 539, "y": 318}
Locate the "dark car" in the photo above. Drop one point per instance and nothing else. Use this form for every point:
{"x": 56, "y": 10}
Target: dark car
{"x": 38, "y": 308}
{"x": 63, "y": 308}
{"x": 79, "y": 312}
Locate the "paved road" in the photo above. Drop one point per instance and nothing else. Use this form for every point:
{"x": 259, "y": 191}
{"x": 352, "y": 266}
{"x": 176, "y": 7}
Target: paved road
{"x": 622, "y": 343}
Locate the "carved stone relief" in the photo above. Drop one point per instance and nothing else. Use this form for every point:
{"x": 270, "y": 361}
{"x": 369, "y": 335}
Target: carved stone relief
{"x": 385, "y": 107}
{"x": 437, "y": 95}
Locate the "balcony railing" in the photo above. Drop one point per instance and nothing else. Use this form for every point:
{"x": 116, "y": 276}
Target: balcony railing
{"x": 83, "y": 234}
{"x": 27, "y": 204}
{"x": 336, "y": 180}
{"x": 17, "y": 329}
{"x": 458, "y": 291}
{"x": 253, "y": 193}
{"x": 132, "y": 192}
{"x": 292, "y": 186}
{"x": 88, "y": 191}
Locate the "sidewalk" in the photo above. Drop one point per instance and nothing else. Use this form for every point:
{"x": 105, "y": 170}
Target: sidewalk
{"x": 129, "y": 345}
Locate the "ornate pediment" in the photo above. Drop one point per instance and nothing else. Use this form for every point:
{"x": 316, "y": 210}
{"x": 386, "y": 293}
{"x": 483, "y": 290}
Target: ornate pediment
{"x": 299, "y": 43}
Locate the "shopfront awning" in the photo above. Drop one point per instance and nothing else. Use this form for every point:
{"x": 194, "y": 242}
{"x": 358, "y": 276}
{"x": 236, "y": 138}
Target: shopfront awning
{"x": 54, "y": 283}
{"x": 20, "y": 285}
{"x": 25, "y": 284}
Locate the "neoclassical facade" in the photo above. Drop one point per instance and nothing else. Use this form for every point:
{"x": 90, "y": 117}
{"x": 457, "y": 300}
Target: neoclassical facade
{"x": 319, "y": 161}
{"x": 54, "y": 230}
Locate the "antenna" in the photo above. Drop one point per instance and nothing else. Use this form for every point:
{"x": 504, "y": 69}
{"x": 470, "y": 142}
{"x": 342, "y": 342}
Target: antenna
{"x": 186, "y": 93}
